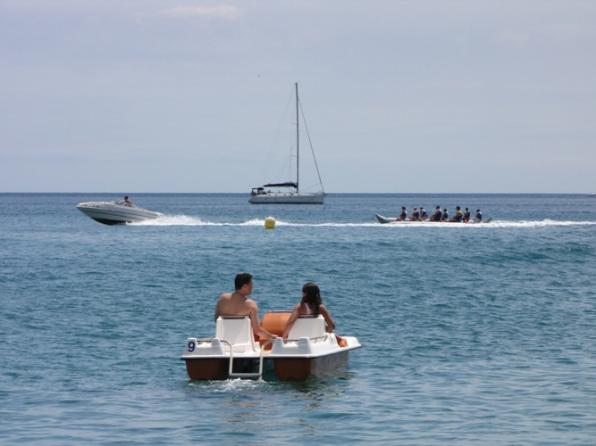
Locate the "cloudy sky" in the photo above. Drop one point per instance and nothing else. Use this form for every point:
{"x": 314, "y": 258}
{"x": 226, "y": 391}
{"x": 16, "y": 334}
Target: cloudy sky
{"x": 195, "y": 96}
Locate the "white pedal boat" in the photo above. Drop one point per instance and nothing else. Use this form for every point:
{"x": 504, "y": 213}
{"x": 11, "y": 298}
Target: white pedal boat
{"x": 234, "y": 352}
{"x": 112, "y": 213}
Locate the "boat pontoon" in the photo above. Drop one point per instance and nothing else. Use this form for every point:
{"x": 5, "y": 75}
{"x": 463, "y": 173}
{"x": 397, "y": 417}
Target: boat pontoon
{"x": 234, "y": 352}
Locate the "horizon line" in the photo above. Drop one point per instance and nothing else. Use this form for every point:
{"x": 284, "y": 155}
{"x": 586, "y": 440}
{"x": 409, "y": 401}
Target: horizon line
{"x": 326, "y": 193}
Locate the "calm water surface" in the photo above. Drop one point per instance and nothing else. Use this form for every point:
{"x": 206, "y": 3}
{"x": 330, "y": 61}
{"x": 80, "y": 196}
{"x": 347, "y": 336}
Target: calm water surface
{"x": 472, "y": 334}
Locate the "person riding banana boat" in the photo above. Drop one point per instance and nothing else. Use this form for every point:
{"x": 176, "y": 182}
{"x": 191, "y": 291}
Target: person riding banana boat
{"x": 458, "y": 217}
{"x": 436, "y": 216}
{"x": 478, "y": 217}
{"x": 420, "y": 214}
{"x": 445, "y": 215}
{"x": 415, "y": 215}
{"x": 466, "y": 215}
{"x": 404, "y": 214}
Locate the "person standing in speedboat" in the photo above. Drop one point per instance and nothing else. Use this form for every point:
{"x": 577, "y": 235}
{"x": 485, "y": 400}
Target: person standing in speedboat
{"x": 127, "y": 202}
{"x": 310, "y": 305}
{"x": 238, "y": 304}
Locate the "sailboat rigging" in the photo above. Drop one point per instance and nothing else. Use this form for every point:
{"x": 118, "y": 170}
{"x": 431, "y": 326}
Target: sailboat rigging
{"x": 288, "y": 192}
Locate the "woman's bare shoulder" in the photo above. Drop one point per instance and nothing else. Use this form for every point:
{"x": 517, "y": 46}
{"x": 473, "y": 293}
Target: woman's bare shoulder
{"x": 323, "y": 310}
{"x": 251, "y": 304}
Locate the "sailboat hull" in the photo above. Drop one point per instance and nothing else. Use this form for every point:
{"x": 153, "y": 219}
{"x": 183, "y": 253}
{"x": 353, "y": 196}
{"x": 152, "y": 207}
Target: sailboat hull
{"x": 277, "y": 198}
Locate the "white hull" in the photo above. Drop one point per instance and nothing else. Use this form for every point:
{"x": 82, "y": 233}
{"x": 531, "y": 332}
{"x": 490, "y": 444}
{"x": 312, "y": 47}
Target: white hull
{"x": 111, "y": 213}
{"x": 393, "y": 220}
{"x": 280, "y": 198}
{"x": 308, "y": 351}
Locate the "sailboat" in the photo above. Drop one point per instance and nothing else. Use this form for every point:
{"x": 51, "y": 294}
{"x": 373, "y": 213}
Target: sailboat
{"x": 288, "y": 192}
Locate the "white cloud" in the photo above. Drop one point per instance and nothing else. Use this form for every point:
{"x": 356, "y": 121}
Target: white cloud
{"x": 214, "y": 11}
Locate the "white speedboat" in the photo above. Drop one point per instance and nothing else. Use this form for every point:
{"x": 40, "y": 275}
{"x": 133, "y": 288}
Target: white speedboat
{"x": 234, "y": 353}
{"x": 289, "y": 192}
{"x": 112, "y": 213}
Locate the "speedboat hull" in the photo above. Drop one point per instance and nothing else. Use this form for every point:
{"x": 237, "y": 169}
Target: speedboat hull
{"x": 111, "y": 213}
{"x": 280, "y": 198}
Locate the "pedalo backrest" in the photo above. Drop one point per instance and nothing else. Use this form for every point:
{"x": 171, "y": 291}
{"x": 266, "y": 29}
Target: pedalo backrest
{"x": 305, "y": 326}
{"x": 235, "y": 330}
{"x": 308, "y": 326}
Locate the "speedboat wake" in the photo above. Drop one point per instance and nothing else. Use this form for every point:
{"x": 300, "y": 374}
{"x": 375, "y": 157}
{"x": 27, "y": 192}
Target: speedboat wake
{"x": 185, "y": 220}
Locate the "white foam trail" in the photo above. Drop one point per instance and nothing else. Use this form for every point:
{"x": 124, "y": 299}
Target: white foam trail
{"x": 492, "y": 224}
{"x": 447, "y": 225}
{"x": 254, "y": 222}
{"x": 236, "y": 385}
{"x": 185, "y": 220}
{"x": 536, "y": 223}
{"x": 171, "y": 220}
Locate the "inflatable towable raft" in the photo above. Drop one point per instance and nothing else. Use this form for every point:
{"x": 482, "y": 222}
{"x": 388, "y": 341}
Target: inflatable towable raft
{"x": 383, "y": 220}
{"x": 235, "y": 353}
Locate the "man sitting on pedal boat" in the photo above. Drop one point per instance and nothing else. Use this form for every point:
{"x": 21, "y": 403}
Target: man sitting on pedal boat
{"x": 238, "y": 304}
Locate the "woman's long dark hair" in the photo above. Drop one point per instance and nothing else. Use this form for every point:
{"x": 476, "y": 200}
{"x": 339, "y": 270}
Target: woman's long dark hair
{"x": 311, "y": 296}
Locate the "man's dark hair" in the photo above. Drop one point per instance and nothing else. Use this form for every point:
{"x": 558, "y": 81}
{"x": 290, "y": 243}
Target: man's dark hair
{"x": 242, "y": 279}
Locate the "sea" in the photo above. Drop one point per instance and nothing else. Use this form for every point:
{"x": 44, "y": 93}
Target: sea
{"x": 471, "y": 334}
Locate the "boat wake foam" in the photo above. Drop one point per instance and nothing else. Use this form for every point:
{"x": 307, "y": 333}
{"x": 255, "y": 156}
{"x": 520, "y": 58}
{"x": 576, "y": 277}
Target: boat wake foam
{"x": 492, "y": 224}
{"x": 185, "y": 220}
{"x": 235, "y": 385}
{"x": 171, "y": 220}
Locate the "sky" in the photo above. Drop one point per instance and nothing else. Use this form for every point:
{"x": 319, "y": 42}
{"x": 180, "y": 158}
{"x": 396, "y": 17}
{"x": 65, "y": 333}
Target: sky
{"x": 399, "y": 96}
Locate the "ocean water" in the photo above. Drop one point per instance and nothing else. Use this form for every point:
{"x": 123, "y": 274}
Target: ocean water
{"x": 472, "y": 334}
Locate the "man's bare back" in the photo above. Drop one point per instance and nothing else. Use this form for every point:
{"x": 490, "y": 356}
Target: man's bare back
{"x": 234, "y": 304}
{"x": 238, "y": 304}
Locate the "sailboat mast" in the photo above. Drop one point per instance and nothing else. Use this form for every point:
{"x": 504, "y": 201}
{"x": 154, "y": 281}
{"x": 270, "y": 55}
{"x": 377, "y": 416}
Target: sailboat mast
{"x": 297, "y": 142}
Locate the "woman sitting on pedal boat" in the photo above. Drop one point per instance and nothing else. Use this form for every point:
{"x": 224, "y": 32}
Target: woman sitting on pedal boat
{"x": 310, "y": 305}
